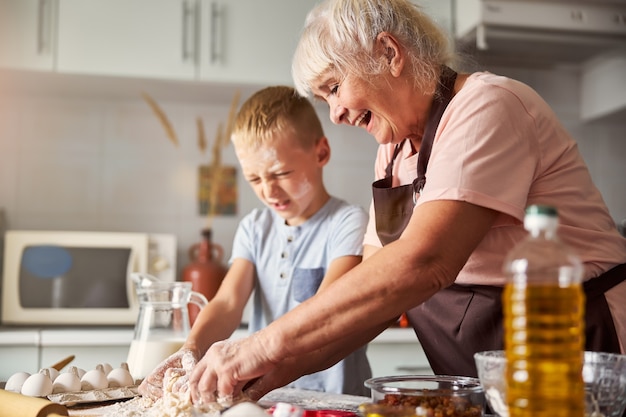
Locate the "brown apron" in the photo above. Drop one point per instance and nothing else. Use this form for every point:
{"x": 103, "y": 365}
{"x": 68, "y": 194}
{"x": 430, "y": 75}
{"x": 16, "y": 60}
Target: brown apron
{"x": 463, "y": 319}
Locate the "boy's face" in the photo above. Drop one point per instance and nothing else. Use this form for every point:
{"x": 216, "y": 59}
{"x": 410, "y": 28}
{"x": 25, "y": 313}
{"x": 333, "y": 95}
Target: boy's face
{"x": 286, "y": 177}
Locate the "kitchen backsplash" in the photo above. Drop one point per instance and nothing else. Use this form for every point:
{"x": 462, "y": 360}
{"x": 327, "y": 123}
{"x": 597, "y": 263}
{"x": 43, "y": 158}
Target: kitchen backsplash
{"x": 98, "y": 163}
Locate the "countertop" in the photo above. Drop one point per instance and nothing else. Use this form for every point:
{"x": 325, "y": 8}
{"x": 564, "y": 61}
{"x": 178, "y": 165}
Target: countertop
{"x": 115, "y": 336}
{"x": 307, "y": 400}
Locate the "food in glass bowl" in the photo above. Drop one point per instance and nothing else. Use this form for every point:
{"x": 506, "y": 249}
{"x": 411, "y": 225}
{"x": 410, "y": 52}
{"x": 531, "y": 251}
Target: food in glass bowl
{"x": 424, "y": 395}
{"x": 604, "y": 375}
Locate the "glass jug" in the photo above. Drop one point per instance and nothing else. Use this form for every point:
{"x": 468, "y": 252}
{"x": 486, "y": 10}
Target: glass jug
{"x": 162, "y": 323}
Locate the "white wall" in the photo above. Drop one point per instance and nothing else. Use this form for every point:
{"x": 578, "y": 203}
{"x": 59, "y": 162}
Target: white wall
{"x": 88, "y": 163}
{"x": 101, "y": 163}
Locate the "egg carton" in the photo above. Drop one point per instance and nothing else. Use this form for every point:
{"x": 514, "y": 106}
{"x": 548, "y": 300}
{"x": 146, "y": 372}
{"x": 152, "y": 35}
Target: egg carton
{"x": 103, "y": 383}
{"x": 70, "y": 399}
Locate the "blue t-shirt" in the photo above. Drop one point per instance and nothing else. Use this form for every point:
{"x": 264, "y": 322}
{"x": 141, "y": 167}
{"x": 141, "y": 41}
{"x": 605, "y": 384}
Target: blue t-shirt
{"x": 290, "y": 263}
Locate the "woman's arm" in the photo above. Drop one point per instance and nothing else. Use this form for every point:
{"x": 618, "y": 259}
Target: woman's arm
{"x": 292, "y": 368}
{"x": 428, "y": 256}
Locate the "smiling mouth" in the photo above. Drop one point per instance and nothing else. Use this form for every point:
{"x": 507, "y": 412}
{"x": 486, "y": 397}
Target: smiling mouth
{"x": 364, "y": 117}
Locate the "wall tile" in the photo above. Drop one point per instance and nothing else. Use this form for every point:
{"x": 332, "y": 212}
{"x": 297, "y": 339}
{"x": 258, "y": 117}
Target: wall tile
{"x": 106, "y": 164}
{"x": 59, "y": 184}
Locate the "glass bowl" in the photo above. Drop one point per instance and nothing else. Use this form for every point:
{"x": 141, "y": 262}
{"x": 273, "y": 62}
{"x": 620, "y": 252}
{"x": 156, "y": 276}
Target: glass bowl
{"x": 422, "y": 395}
{"x": 604, "y": 375}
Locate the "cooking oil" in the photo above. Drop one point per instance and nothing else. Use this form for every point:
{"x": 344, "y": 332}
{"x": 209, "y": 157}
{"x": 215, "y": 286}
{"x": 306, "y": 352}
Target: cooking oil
{"x": 544, "y": 323}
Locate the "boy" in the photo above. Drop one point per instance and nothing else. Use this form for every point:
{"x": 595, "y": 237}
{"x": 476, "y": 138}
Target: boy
{"x": 300, "y": 242}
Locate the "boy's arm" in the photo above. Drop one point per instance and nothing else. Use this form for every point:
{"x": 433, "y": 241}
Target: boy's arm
{"x": 222, "y": 316}
{"x": 345, "y": 240}
{"x": 337, "y": 268}
{"x": 369, "y": 250}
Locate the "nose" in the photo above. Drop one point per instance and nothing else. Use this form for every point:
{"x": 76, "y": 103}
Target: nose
{"x": 269, "y": 188}
{"x": 338, "y": 113}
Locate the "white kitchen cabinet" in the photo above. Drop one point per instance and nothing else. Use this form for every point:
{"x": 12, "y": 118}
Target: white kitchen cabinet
{"x": 250, "y": 40}
{"x": 19, "y": 352}
{"x": 237, "y": 41}
{"x": 439, "y": 10}
{"x": 27, "y": 34}
{"x": 136, "y": 38}
{"x": 397, "y": 351}
{"x": 89, "y": 346}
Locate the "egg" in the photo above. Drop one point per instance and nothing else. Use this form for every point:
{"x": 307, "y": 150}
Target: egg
{"x": 67, "y": 381}
{"x": 94, "y": 379}
{"x": 120, "y": 377}
{"x": 248, "y": 409}
{"x": 15, "y": 381}
{"x": 38, "y": 385}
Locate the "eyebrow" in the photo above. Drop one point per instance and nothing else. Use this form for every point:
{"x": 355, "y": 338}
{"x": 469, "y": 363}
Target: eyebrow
{"x": 324, "y": 83}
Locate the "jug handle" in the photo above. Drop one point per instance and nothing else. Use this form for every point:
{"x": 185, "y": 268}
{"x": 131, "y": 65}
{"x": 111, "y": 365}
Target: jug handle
{"x": 198, "y": 299}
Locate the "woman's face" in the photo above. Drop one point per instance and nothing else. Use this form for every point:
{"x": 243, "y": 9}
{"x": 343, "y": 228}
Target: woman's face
{"x": 384, "y": 105}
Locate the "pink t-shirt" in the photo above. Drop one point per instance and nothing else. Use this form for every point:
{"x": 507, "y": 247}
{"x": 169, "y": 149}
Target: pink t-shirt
{"x": 499, "y": 145}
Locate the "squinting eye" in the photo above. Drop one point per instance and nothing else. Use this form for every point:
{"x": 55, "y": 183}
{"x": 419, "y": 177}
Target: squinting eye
{"x": 334, "y": 89}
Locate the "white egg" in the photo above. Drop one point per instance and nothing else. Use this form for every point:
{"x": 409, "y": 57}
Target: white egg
{"x": 120, "y": 377}
{"x": 38, "y": 385}
{"x": 67, "y": 381}
{"x": 15, "y": 381}
{"x": 94, "y": 379}
{"x": 247, "y": 409}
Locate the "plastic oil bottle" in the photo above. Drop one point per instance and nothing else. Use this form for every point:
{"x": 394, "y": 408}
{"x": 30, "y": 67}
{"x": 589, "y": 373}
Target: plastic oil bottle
{"x": 544, "y": 322}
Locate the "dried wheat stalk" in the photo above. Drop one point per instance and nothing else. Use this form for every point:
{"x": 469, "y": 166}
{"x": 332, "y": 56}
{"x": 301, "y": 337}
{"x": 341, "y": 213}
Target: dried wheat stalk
{"x": 202, "y": 143}
{"x": 162, "y": 117}
{"x": 215, "y": 168}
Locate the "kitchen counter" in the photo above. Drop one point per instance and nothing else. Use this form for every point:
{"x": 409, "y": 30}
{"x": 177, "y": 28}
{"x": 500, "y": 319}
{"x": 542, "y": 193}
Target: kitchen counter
{"x": 307, "y": 400}
{"x": 394, "y": 351}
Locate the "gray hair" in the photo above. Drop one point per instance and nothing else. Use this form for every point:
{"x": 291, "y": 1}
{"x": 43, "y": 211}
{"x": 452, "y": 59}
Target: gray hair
{"x": 340, "y": 35}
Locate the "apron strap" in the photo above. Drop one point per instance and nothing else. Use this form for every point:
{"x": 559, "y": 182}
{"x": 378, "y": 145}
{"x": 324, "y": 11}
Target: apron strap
{"x": 444, "y": 94}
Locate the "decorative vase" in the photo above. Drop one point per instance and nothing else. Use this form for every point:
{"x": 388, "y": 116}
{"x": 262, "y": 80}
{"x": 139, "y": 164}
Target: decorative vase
{"x": 205, "y": 269}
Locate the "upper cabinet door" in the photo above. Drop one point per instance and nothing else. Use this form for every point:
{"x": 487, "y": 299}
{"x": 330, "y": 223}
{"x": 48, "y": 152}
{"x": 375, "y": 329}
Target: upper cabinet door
{"x": 27, "y": 34}
{"x": 439, "y": 10}
{"x": 143, "y": 38}
{"x": 250, "y": 41}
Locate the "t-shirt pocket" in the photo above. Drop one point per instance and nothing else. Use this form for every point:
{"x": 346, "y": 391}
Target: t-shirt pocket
{"x": 306, "y": 281}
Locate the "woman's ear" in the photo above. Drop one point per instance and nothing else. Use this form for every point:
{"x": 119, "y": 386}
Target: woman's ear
{"x": 322, "y": 149}
{"x": 390, "y": 50}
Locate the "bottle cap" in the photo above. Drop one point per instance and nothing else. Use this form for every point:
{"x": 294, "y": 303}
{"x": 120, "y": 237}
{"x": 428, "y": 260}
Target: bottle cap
{"x": 539, "y": 209}
{"x": 541, "y": 217}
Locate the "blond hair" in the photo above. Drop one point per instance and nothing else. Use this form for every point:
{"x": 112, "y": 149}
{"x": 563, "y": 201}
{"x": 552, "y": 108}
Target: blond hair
{"x": 273, "y": 111}
{"x": 340, "y": 35}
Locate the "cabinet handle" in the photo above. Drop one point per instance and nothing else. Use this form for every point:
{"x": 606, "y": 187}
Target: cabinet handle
{"x": 188, "y": 38}
{"x": 214, "y": 41}
{"x": 43, "y": 26}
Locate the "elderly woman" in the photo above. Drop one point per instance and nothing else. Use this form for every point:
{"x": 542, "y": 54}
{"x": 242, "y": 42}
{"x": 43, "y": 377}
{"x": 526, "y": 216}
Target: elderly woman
{"x": 461, "y": 156}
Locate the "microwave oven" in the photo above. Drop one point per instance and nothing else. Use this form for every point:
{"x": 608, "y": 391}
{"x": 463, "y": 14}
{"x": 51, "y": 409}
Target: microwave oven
{"x": 79, "y": 278}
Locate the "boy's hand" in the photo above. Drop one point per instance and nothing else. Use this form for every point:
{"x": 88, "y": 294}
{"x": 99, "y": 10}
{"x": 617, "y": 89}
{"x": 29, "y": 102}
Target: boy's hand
{"x": 181, "y": 363}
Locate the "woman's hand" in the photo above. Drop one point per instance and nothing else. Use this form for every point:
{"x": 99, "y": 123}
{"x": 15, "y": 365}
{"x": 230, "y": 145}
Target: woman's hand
{"x": 226, "y": 367}
{"x": 180, "y": 363}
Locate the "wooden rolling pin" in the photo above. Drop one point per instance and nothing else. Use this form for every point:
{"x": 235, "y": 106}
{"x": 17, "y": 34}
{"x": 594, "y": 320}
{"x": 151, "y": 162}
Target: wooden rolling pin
{"x": 14, "y": 404}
